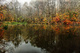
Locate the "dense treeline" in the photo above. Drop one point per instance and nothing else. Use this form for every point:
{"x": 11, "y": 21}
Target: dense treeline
{"x": 41, "y": 11}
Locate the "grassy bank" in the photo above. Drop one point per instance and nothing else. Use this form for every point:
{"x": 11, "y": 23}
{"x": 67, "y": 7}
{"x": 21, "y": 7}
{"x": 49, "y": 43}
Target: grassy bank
{"x": 14, "y": 23}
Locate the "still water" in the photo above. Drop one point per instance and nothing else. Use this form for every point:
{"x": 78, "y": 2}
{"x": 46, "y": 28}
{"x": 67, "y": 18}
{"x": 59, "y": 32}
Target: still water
{"x": 40, "y": 39}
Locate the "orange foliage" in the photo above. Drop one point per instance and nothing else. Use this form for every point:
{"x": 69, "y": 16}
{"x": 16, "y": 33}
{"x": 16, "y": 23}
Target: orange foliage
{"x": 67, "y": 27}
{"x": 67, "y": 22}
{"x": 1, "y": 16}
{"x": 56, "y": 19}
{"x": 44, "y": 27}
{"x": 78, "y": 23}
{"x": 74, "y": 18}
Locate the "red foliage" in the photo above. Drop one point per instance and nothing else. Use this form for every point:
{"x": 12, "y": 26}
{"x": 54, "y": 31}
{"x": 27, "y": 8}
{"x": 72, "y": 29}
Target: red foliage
{"x": 57, "y": 19}
{"x": 78, "y": 23}
{"x": 1, "y": 33}
{"x": 67, "y": 22}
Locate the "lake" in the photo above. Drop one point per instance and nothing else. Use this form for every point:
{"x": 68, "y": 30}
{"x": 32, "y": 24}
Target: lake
{"x": 40, "y": 39}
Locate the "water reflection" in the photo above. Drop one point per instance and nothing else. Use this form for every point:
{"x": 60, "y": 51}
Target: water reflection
{"x": 41, "y": 39}
{"x": 1, "y": 34}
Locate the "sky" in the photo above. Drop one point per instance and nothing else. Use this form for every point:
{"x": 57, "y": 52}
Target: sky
{"x": 21, "y": 1}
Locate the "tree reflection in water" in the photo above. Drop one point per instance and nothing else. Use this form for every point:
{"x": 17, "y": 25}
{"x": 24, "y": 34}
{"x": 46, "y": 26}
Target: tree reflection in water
{"x": 1, "y": 34}
{"x": 51, "y": 39}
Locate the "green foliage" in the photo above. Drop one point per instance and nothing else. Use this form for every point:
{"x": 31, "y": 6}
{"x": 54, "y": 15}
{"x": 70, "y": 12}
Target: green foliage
{"x": 70, "y": 14}
{"x": 5, "y": 27}
{"x": 15, "y": 23}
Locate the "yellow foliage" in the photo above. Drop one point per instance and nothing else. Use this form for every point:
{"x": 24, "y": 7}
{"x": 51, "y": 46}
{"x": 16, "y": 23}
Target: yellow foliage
{"x": 44, "y": 19}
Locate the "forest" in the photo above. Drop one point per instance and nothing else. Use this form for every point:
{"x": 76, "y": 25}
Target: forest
{"x": 63, "y": 12}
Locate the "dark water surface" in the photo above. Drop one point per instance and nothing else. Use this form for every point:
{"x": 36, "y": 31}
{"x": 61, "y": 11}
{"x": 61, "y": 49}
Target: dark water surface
{"x": 40, "y": 39}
